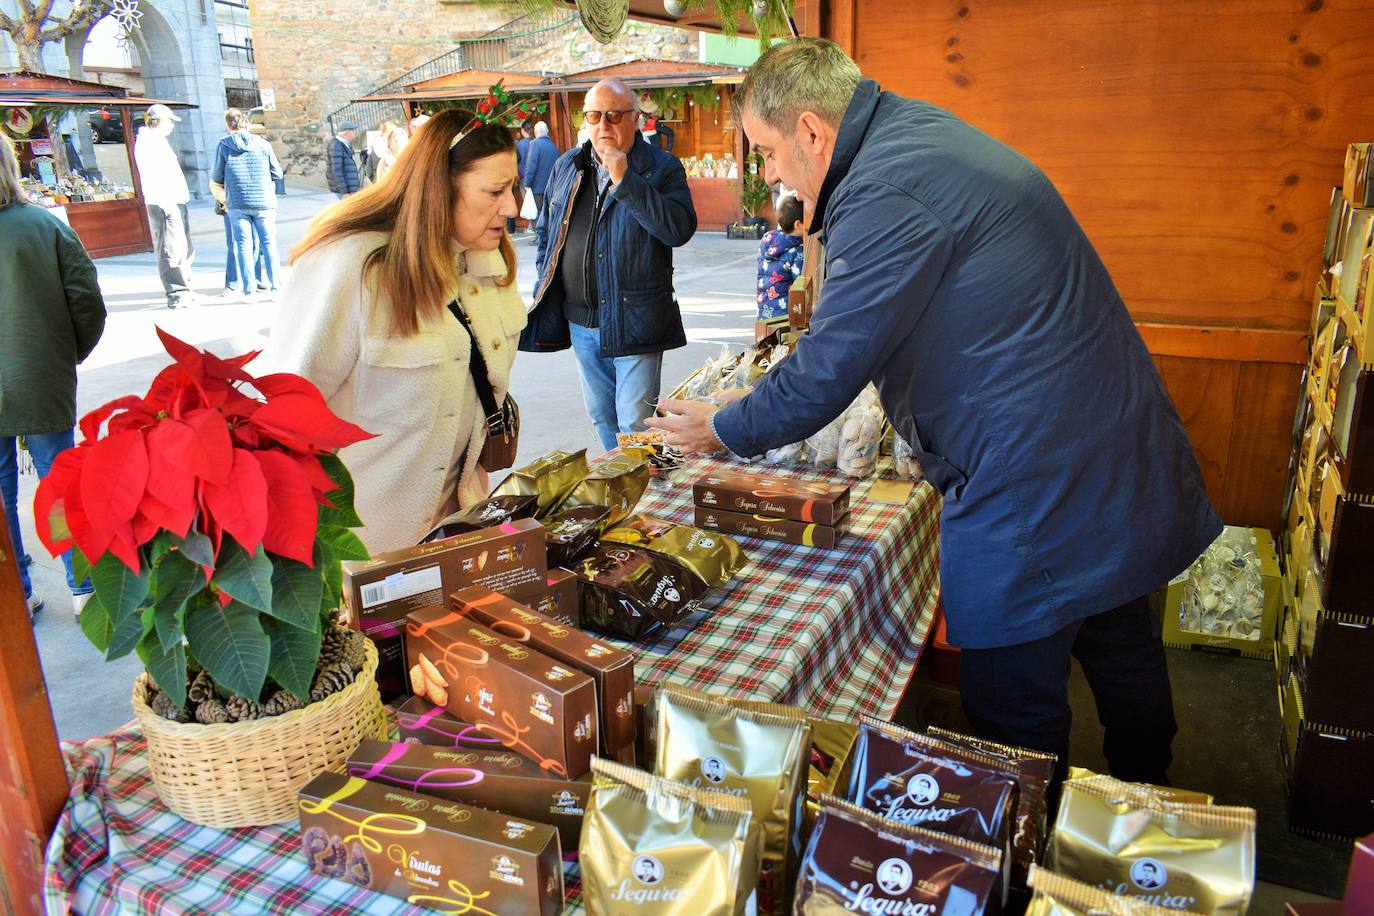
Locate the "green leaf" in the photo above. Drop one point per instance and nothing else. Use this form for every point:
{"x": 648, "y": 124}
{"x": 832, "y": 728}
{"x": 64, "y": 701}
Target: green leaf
{"x": 341, "y": 543}
{"x": 229, "y": 641}
{"x": 175, "y": 580}
{"x": 95, "y": 623}
{"x": 81, "y": 567}
{"x": 295, "y": 653}
{"x": 246, "y": 578}
{"x": 342, "y": 512}
{"x": 198, "y": 549}
{"x": 167, "y": 668}
{"x": 121, "y": 590}
{"x": 333, "y": 577}
{"x": 296, "y": 593}
{"x": 127, "y": 635}
{"x": 158, "y": 547}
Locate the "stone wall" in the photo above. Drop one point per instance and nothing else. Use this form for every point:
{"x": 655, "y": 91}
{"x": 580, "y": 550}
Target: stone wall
{"x": 577, "y": 50}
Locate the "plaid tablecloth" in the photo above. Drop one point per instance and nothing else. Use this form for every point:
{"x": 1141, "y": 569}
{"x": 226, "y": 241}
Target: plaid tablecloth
{"x": 837, "y": 632}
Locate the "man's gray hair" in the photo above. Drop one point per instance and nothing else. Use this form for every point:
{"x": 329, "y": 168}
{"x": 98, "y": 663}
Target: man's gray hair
{"x": 804, "y": 74}
{"x": 541, "y": 129}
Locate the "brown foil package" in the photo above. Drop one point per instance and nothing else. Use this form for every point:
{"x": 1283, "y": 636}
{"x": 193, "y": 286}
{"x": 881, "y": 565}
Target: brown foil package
{"x": 1034, "y": 771}
{"x": 654, "y": 847}
{"x": 551, "y": 478}
{"x": 615, "y": 484}
{"x": 557, "y": 599}
{"x": 493, "y": 511}
{"x": 1115, "y": 835}
{"x": 756, "y": 494}
{"x": 429, "y": 851}
{"x": 714, "y": 558}
{"x": 773, "y": 529}
{"x": 534, "y": 704}
{"x": 859, "y": 862}
{"x": 1055, "y": 895}
{"x": 632, "y": 593}
{"x": 572, "y": 533}
{"x": 758, "y": 754}
{"x": 612, "y": 669}
{"x": 498, "y": 780}
{"x": 1163, "y": 793}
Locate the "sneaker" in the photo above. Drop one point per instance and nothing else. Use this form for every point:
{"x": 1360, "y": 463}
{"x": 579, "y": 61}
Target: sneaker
{"x": 263, "y": 287}
{"x": 228, "y": 292}
{"x": 79, "y": 602}
{"x": 35, "y": 605}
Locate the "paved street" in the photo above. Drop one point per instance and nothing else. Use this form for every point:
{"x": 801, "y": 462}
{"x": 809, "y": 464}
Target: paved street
{"x": 714, "y": 279}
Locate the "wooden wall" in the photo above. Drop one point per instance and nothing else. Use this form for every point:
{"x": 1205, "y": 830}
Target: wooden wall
{"x": 1197, "y": 143}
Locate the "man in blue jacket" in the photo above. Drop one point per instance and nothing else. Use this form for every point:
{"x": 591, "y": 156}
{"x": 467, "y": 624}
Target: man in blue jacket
{"x": 957, "y": 280}
{"x": 540, "y": 157}
{"x": 616, "y": 209}
{"x": 342, "y": 169}
{"x": 247, "y": 169}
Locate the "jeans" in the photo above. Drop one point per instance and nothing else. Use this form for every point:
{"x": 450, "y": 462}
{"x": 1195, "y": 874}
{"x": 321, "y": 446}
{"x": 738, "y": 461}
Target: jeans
{"x": 231, "y": 261}
{"x": 665, "y": 137}
{"x": 175, "y": 250}
{"x": 250, "y": 227}
{"x": 621, "y": 392}
{"x": 1020, "y": 694}
{"x": 44, "y": 448}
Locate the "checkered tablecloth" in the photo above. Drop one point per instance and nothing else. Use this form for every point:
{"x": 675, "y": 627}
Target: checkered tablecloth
{"x": 837, "y": 632}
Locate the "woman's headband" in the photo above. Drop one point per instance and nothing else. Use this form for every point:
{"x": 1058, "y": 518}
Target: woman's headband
{"x": 498, "y": 108}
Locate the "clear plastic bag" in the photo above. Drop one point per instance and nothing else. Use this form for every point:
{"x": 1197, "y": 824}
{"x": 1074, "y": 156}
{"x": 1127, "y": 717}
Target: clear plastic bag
{"x": 861, "y": 435}
{"x": 904, "y": 463}
{"x": 1224, "y": 593}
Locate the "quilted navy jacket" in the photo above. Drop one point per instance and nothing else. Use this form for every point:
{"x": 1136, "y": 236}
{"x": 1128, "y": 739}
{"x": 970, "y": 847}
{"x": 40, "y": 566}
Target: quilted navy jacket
{"x": 958, "y": 280}
{"x": 644, "y": 218}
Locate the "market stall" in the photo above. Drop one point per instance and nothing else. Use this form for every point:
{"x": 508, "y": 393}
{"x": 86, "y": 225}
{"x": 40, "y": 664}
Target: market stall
{"x": 105, "y": 210}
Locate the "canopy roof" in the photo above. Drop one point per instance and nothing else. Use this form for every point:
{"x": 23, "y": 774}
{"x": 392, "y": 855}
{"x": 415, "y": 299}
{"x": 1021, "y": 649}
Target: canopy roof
{"x": 25, "y": 89}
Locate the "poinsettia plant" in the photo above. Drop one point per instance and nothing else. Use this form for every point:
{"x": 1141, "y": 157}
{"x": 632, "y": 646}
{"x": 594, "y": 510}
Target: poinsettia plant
{"x": 211, "y": 515}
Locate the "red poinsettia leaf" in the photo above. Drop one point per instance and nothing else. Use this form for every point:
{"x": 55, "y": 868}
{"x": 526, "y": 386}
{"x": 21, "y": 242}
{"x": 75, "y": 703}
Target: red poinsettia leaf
{"x": 239, "y": 505}
{"x": 319, "y": 478}
{"x": 208, "y": 526}
{"x": 156, "y": 511}
{"x": 238, "y": 405}
{"x": 171, "y": 495}
{"x": 93, "y": 542}
{"x": 122, "y": 545}
{"x": 291, "y": 510}
{"x": 302, "y": 417}
{"x": 144, "y": 527}
{"x": 224, "y": 598}
{"x": 246, "y": 436}
{"x": 91, "y": 422}
{"x": 243, "y": 359}
{"x": 228, "y": 369}
{"x": 113, "y": 479}
{"x": 49, "y": 504}
{"x": 199, "y": 444}
{"x": 163, "y": 390}
{"x": 187, "y": 356}
{"x": 286, "y": 383}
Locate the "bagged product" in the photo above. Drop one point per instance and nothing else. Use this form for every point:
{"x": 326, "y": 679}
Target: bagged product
{"x": 573, "y": 532}
{"x": 496, "y": 510}
{"x": 904, "y": 463}
{"x": 859, "y": 862}
{"x": 632, "y": 593}
{"x": 832, "y": 742}
{"x": 1118, "y": 836}
{"x": 656, "y": 847}
{"x": 822, "y": 449}
{"x": 1163, "y": 793}
{"x": 615, "y": 484}
{"x": 861, "y": 435}
{"x": 1056, "y": 895}
{"x": 551, "y": 478}
{"x": 758, "y": 754}
{"x": 714, "y": 557}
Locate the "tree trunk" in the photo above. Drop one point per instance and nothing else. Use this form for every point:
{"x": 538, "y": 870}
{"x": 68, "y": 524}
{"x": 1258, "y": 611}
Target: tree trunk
{"x": 30, "y": 55}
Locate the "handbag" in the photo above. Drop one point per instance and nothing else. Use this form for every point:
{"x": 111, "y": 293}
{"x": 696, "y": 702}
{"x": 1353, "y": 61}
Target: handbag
{"x": 503, "y": 420}
{"x": 528, "y": 208}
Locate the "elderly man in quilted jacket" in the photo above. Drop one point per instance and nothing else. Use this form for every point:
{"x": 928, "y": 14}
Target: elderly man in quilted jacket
{"x": 615, "y": 209}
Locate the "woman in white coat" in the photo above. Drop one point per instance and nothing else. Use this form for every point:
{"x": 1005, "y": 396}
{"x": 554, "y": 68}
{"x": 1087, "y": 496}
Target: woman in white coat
{"x": 366, "y": 316}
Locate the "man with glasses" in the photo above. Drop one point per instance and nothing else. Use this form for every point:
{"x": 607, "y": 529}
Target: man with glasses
{"x": 614, "y": 210}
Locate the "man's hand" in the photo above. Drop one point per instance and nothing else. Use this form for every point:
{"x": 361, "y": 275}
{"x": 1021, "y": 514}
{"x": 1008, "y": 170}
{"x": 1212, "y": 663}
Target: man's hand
{"x": 688, "y": 425}
{"x": 613, "y": 161}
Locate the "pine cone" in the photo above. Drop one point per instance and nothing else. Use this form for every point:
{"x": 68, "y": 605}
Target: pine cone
{"x": 211, "y": 712}
{"x": 282, "y": 701}
{"x": 341, "y": 646}
{"x": 163, "y": 706}
{"x": 242, "y": 709}
{"x": 200, "y": 689}
{"x": 331, "y": 679}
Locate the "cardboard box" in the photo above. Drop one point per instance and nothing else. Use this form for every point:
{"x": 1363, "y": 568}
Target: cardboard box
{"x": 391, "y": 661}
{"x": 537, "y": 706}
{"x": 1332, "y": 664}
{"x": 775, "y": 497}
{"x": 427, "y": 850}
{"x": 420, "y": 721}
{"x": 556, "y": 597}
{"x": 1358, "y": 184}
{"x": 1329, "y": 773}
{"x": 1175, "y": 637}
{"x": 612, "y": 669}
{"x": 1343, "y": 545}
{"x": 773, "y": 529}
{"x": 1359, "y": 887}
{"x": 800, "y": 303}
{"x": 388, "y": 587}
{"x": 497, "y": 780}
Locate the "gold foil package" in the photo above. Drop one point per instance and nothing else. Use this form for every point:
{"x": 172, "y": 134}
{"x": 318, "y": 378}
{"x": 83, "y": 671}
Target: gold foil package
{"x": 1126, "y": 839}
{"x": 616, "y": 484}
{"x": 1055, "y": 895}
{"x": 655, "y": 847}
{"x": 757, "y": 753}
{"x": 1163, "y": 793}
{"x": 550, "y": 478}
{"x": 714, "y": 557}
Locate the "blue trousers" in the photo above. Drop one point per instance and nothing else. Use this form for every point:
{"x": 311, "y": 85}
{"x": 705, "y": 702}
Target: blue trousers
{"x": 231, "y": 260}
{"x": 255, "y": 236}
{"x": 620, "y": 392}
{"x": 44, "y": 448}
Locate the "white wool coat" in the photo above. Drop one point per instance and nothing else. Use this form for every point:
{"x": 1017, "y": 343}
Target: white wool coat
{"x": 416, "y": 393}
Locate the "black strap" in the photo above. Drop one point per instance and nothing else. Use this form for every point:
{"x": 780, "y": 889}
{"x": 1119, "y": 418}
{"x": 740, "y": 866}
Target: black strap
{"x": 478, "y": 363}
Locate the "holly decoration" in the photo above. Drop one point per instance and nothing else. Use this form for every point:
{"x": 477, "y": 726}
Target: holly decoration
{"x": 501, "y": 108}
{"x": 211, "y": 515}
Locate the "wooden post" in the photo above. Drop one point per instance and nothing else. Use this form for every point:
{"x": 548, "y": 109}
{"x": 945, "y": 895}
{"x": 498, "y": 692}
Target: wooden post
{"x": 33, "y": 780}
{"x": 127, "y": 116}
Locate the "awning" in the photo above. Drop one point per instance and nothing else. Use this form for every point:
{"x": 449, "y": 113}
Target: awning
{"x": 701, "y": 75}
{"x": 24, "y": 89}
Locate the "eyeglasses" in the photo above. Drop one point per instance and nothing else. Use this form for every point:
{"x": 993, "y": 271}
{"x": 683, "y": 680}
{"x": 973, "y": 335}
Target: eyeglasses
{"x": 612, "y": 117}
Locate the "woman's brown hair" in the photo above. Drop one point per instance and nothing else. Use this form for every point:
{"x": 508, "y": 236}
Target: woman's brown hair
{"x": 415, "y": 270}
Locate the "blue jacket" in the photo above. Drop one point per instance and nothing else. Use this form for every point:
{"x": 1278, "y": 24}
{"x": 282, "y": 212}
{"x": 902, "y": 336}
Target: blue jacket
{"x": 540, "y": 157}
{"x": 342, "y": 172}
{"x": 644, "y": 218}
{"x": 780, "y": 263}
{"x": 522, "y": 147}
{"x": 958, "y": 280}
{"x": 248, "y": 168}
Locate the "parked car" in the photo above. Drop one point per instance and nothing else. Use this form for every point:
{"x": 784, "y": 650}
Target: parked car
{"x": 107, "y": 125}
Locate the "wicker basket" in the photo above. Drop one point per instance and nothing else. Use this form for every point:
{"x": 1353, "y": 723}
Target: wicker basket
{"x": 246, "y": 774}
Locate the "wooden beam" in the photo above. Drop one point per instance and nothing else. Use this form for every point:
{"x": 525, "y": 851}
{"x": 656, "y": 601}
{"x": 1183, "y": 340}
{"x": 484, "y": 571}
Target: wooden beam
{"x": 841, "y": 24}
{"x": 1228, "y": 344}
{"x": 33, "y": 780}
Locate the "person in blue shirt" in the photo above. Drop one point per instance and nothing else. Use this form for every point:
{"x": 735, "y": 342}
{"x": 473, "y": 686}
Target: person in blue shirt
{"x": 247, "y": 168}
{"x": 957, "y": 280}
{"x": 780, "y": 260}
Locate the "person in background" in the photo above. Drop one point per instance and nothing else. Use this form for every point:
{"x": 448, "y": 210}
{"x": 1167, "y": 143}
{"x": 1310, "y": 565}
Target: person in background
{"x": 393, "y": 142}
{"x": 165, "y": 195}
{"x": 231, "y": 261}
{"x": 780, "y": 260}
{"x": 665, "y": 131}
{"x": 372, "y": 311}
{"x": 648, "y": 128}
{"x": 616, "y": 209}
{"x": 247, "y": 169}
{"x": 539, "y": 162}
{"x": 342, "y": 169}
{"x": 51, "y": 318}
{"x": 522, "y": 148}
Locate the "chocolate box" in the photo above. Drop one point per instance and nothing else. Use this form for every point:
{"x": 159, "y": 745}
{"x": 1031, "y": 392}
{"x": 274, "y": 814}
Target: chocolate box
{"x": 773, "y": 529}
{"x": 540, "y": 707}
{"x": 421, "y": 722}
{"x": 1359, "y": 886}
{"x": 1326, "y": 768}
{"x": 775, "y": 497}
{"x": 611, "y": 668}
{"x": 429, "y": 851}
{"x": 1336, "y": 654}
{"x": 391, "y": 585}
{"x": 499, "y": 780}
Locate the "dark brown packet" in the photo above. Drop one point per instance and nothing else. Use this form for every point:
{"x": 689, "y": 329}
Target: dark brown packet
{"x": 714, "y": 557}
{"x": 858, "y": 861}
{"x": 615, "y": 484}
{"x": 632, "y": 593}
{"x": 1034, "y": 771}
{"x": 489, "y": 513}
{"x": 550, "y": 478}
{"x": 573, "y": 532}
{"x": 1056, "y": 895}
